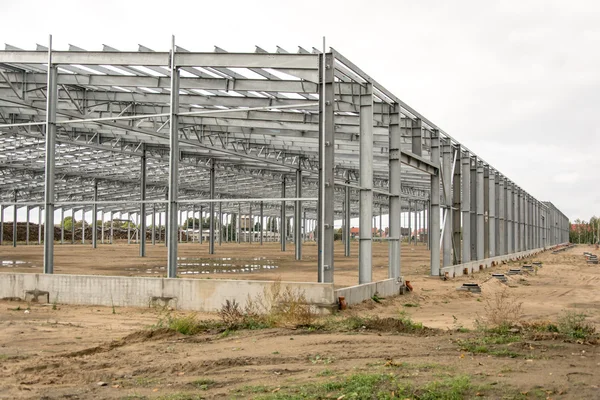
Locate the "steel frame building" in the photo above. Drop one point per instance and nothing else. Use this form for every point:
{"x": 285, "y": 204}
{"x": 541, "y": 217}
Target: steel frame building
{"x": 152, "y": 131}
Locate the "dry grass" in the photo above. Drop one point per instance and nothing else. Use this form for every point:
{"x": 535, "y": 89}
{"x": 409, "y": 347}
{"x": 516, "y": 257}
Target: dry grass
{"x": 501, "y": 311}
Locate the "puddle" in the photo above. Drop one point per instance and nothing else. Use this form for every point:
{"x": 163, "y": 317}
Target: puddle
{"x": 15, "y": 263}
{"x": 224, "y": 265}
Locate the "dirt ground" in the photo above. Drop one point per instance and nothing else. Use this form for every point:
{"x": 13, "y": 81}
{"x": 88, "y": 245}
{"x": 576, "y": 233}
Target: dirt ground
{"x": 60, "y": 351}
{"x": 266, "y": 262}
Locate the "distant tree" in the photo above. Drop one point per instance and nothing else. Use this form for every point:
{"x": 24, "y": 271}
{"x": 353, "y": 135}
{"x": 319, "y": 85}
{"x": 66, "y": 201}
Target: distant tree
{"x": 68, "y": 221}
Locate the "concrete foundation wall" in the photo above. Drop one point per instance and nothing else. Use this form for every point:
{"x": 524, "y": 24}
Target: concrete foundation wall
{"x": 476, "y": 266}
{"x": 358, "y": 294}
{"x": 184, "y": 294}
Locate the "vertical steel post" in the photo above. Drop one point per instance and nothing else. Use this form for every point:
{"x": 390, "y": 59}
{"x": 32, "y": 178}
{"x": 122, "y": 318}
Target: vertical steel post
{"x": 27, "y": 209}
{"x": 251, "y": 223}
{"x": 102, "y": 226}
{"x": 501, "y": 215}
{"x": 95, "y": 216}
{"x": 153, "y": 224}
{"x": 73, "y": 225}
{"x": 325, "y": 212}
{"x": 14, "y": 235}
{"x": 347, "y": 209}
{"x": 143, "y": 173}
{"x": 447, "y": 205}
{"x": 211, "y": 228}
{"x": 456, "y": 204}
{"x": 510, "y": 243}
{"x": 480, "y": 213}
{"x": 410, "y": 232}
{"x": 62, "y": 225}
{"x": 49, "y": 197}
{"x": 494, "y": 215}
{"x": 395, "y": 189}
{"x": 262, "y": 229}
{"x": 201, "y": 224}
{"x": 473, "y": 193}
{"x": 239, "y": 224}
{"x": 486, "y": 210}
{"x": 173, "y": 168}
{"x": 1, "y": 225}
{"x": 466, "y": 207}
{"x": 298, "y": 216}
{"x": 282, "y": 231}
{"x": 365, "y": 250}
{"x": 40, "y": 225}
{"x": 83, "y": 225}
{"x": 221, "y": 223}
{"x": 435, "y": 205}
{"x": 112, "y": 227}
{"x": 516, "y": 220}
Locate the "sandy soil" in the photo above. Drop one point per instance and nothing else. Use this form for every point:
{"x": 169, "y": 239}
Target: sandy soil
{"x": 64, "y": 351}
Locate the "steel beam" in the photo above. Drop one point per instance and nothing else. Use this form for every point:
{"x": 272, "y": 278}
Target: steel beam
{"x": 435, "y": 206}
{"x": 365, "y": 255}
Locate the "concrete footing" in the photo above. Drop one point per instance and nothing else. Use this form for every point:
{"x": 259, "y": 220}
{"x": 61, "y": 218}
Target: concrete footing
{"x": 183, "y": 294}
{"x": 453, "y": 271}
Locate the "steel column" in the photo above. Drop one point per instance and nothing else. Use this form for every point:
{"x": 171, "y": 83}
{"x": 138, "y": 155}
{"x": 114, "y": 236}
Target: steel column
{"x": 142, "y": 234}
{"x": 262, "y": 230}
{"x": 95, "y": 216}
{"x": 40, "y": 225}
{"x": 173, "y": 168}
{"x": 211, "y": 228}
{"x": 435, "y": 205}
{"x": 473, "y": 194}
{"x": 466, "y": 208}
{"x": 410, "y": 232}
{"x": 366, "y": 183}
{"x": 347, "y": 209}
{"x": 447, "y": 205}
{"x": 456, "y": 213}
{"x": 510, "y": 248}
{"x": 221, "y": 224}
{"x": 28, "y": 209}
{"x": 239, "y": 224}
{"x": 326, "y": 197}
{"x": 15, "y": 221}
{"x": 298, "y": 216}
{"x": 502, "y": 216}
{"x": 1, "y": 225}
{"x": 49, "y": 197}
{"x": 282, "y": 231}
{"x": 480, "y": 213}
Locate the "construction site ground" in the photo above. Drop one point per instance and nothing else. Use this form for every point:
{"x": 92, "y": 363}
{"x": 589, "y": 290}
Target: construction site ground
{"x": 54, "y": 351}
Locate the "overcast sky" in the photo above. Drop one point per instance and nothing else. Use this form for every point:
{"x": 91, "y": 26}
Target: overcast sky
{"x": 518, "y": 82}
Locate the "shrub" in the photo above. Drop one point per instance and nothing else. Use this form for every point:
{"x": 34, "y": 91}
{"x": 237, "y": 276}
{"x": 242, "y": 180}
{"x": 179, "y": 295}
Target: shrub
{"x": 573, "y": 324}
{"x": 501, "y": 312}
